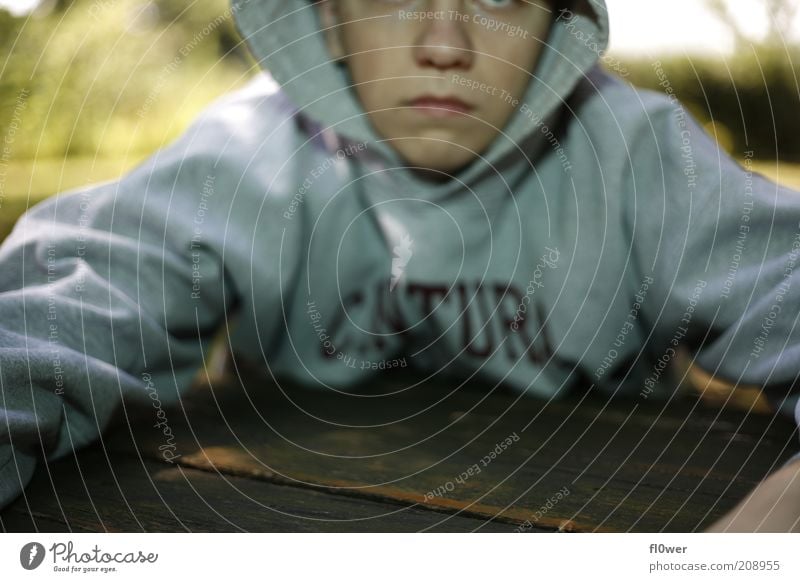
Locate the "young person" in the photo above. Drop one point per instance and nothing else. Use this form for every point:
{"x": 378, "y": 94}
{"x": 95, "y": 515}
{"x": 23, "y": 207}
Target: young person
{"x": 454, "y": 186}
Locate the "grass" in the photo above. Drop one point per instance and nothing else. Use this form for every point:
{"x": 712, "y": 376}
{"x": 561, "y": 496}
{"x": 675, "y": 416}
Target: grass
{"x": 26, "y": 183}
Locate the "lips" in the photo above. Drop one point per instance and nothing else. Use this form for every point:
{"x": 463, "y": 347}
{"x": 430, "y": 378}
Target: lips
{"x": 440, "y": 106}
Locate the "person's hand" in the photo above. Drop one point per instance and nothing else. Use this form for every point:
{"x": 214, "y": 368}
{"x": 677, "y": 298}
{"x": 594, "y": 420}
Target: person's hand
{"x": 773, "y": 506}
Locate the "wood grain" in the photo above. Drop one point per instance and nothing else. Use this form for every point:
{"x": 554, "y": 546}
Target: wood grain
{"x": 125, "y": 494}
{"x": 628, "y": 465}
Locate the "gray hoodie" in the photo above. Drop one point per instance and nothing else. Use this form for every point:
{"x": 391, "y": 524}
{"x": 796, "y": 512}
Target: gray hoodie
{"x": 599, "y": 233}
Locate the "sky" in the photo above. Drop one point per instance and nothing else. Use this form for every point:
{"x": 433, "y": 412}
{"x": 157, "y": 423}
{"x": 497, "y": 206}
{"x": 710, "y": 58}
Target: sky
{"x": 647, "y": 27}
{"x": 683, "y": 26}
{"x": 18, "y": 7}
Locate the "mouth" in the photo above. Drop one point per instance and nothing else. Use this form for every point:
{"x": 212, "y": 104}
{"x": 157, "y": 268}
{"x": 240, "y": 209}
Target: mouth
{"x": 433, "y": 106}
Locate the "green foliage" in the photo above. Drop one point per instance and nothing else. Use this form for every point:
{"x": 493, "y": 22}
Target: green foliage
{"x": 752, "y": 99}
{"x": 113, "y": 77}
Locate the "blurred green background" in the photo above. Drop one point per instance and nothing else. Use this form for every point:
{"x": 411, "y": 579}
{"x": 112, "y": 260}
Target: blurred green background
{"x": 88, "y": 88}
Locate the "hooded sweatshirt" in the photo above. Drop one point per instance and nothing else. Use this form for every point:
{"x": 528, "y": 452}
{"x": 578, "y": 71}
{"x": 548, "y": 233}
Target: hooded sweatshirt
{"x": 599, "y": 232}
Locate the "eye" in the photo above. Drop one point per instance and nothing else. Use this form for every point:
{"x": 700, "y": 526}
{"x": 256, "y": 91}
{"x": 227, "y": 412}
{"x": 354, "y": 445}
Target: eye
{"x": 497, "y": 4}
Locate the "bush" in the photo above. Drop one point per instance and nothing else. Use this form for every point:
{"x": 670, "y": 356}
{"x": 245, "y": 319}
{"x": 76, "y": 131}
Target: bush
{"x": 752, "y": 100}
{"x": 112, "y": 77}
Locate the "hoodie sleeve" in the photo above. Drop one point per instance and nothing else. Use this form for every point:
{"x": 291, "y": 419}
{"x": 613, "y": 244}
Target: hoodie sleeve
{"x": 106, "y": 292}
{"x": 723, "y": 245}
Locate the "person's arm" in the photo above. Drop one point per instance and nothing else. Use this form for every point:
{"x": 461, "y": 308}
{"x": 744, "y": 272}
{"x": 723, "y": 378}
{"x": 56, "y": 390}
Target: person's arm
{"x": 106, "y": 292}
{"x": 773, "y": 506}
{"x": 723, "y": 244}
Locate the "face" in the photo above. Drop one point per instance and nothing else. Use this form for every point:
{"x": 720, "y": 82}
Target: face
{"x": 438, "y": 78}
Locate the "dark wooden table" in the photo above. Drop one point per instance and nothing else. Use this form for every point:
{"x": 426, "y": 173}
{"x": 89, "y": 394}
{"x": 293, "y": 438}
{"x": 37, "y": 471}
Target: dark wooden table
{"x": 253, "y": 456}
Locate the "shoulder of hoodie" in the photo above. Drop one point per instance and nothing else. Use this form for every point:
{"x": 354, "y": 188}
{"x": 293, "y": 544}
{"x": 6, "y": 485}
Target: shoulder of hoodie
{"x": 248, "y": 139}
{"x": 249, "y": 133}
{"x": 610, "y": 108}
{"x": 645, "y": 132}
{"x": 240, "y": 139}
{"x": 247, "y": 118}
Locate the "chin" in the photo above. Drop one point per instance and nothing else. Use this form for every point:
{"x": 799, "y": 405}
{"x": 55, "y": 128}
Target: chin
{"x": 447, "y": 158}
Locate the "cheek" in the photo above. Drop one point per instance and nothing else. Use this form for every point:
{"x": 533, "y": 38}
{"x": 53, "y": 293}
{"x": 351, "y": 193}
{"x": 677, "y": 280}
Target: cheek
{"x": 376, "y": 84}
{"x": 374, "y": 65}
{"x": 516, "y": 65}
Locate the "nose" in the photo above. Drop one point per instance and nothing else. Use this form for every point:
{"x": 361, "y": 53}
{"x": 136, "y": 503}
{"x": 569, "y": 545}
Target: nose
{"x": 444, "y": 43}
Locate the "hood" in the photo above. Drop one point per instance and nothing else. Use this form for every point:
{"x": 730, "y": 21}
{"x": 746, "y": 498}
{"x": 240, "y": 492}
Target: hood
{"x": 284, "y": 37}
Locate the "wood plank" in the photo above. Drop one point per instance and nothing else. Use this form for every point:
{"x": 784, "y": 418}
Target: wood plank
{"x": 124, "y": 493}
{"x": 629, "y": 465}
